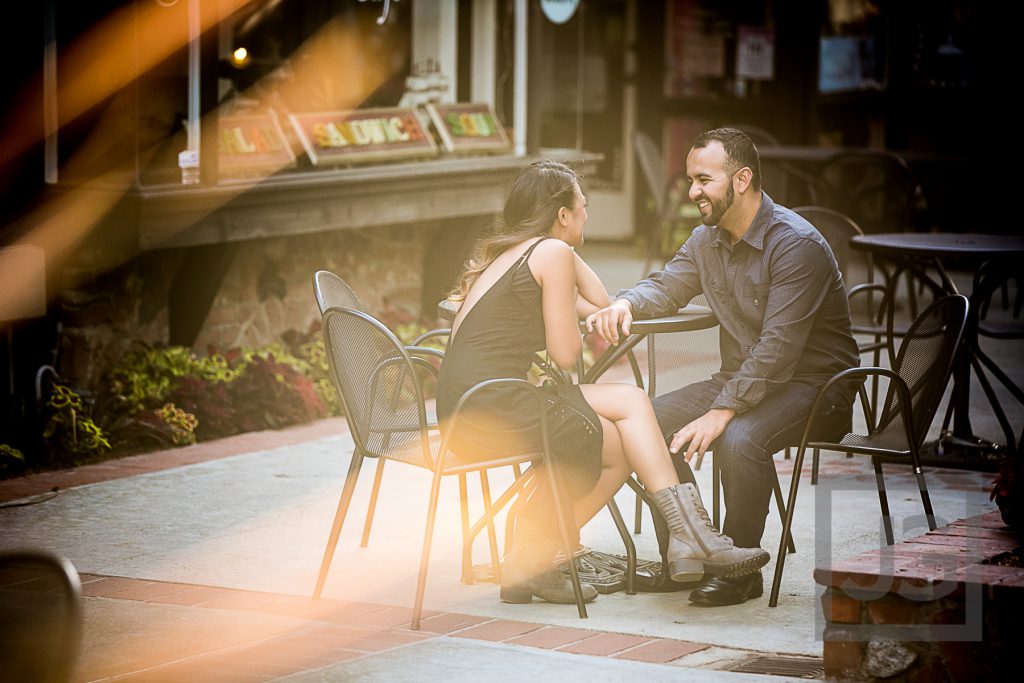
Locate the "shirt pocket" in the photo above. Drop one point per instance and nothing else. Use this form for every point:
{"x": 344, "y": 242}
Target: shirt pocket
{"x": 754, "y": 298}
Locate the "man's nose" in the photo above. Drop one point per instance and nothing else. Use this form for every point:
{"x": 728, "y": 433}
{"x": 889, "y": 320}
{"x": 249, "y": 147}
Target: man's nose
{"x": 694, "y": 192}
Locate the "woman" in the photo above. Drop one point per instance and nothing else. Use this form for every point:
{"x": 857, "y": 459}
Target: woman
{"x": 524, "y": 291}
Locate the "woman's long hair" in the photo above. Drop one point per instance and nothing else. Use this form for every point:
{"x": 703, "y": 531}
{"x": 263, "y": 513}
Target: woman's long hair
{"x": 531, "y": 207}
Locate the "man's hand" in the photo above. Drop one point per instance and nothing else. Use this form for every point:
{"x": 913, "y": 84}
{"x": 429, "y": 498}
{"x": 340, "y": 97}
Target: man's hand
{"x": 698, "y": 435}
{"x": 607, "y": 321}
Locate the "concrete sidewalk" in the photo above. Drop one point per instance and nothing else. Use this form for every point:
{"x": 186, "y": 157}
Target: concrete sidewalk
{"x": 198, "y": 564}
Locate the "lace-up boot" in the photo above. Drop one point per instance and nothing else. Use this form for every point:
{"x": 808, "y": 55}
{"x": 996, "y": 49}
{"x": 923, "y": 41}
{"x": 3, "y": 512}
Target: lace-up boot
{"x": 529, "y": 569}
{"x": 695, "y": 546}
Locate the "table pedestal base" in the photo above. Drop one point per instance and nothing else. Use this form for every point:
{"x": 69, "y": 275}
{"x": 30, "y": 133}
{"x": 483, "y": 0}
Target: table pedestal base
{"x": 606, "y": 573}
{"x": 960, "y": 453}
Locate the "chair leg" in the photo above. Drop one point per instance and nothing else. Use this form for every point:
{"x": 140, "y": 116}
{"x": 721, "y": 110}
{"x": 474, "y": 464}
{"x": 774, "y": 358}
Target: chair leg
{"x": 428, "y": 536}
{"x": 926, "y": 500}
{"x": 492, "y": 536}
{"x": 787, "y": 525}
{"x": 564, "y": 514}
{"x": 368, "y": 524}
{"x": 627, "y": 541}
{"x": 638, "y": 514}
{"x": 339, "y": 521}
{"x": 922, "y": 487}
{"x": 815, "y": 458}
{"x": 782, "y": 509}
{"x": 883, "y": 500}
{"x": 467, "y": 542}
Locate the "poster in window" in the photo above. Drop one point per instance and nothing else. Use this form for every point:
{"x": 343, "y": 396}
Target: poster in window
{"x": 755, "y": 53}
{"x": 339, "y": 137}
{"x": 253, "y": 142}
{"x": 468, "y": 127}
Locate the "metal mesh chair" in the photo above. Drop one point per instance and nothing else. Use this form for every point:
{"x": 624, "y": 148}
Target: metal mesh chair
{"x": 876, "y": 188}
{"x": 333, "y": 292}
{"x": 379, "y": 380}
{"x": 916, "y": 383}
{"x": 40, "y": 616}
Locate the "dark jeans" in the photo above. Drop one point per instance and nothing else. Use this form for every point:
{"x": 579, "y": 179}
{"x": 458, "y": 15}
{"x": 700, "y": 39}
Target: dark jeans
{"x": 744, "y": 450}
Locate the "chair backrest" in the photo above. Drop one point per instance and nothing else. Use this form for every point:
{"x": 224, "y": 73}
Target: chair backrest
{"x": 994, "y": 276}
{"x": 333, "y": 292}
{"x": 40, "y": 616}
{"x": 924, "y": 362}
{"x": 876, "y": 188}
{"x": 837, "y": 229}
{"x": 378, "y": 381}
{"x": 653, "y": 168}
{"x": 675, "y": 360}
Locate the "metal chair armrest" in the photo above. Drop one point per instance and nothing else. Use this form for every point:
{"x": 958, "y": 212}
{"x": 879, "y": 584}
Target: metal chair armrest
{"x": 490, "y": 384}
{"x": 430, "y": 334}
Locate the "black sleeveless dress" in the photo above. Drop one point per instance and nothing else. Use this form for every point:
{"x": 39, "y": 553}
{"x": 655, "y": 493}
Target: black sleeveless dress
{"x": 498, "y": 338}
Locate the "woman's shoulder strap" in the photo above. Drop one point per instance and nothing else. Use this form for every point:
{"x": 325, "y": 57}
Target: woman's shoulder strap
{"x": 526, "y": 254}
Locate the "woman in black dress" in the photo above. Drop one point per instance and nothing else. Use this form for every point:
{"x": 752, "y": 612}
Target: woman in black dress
{"x": 524, "y": 291}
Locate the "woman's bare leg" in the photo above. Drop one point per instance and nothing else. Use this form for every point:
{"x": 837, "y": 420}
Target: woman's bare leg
{"x": 643, "y": 445}
{"x": 614, "y": 470}
{"x": 632, "y": 442}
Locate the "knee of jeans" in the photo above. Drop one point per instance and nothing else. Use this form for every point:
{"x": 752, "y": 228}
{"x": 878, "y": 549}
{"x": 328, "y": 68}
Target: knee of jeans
{"x": 738, "y": 444}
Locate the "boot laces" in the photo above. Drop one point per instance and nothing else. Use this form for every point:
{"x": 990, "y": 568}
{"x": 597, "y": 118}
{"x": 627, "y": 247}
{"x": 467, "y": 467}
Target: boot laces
{"x": 702, "y": 511}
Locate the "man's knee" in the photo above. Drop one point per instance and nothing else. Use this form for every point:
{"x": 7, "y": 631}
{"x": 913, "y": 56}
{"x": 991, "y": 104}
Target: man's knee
{"x": 740, "y": 444}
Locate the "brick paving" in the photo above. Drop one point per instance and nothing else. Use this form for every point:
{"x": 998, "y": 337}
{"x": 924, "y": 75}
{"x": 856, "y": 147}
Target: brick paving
{"x": 336, "y": 631}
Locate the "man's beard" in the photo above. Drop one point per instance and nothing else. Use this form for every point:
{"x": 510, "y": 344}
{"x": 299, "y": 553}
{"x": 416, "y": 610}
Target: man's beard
{"x": 718, "y": 208}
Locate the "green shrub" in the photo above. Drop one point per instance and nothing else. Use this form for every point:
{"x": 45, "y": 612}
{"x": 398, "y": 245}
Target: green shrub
{"x": 11, "y": 460}
{"x": 70, "y": 429}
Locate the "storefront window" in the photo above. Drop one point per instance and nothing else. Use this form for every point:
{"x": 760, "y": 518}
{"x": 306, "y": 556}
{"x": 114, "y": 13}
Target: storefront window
{"x": 576, "y": 90}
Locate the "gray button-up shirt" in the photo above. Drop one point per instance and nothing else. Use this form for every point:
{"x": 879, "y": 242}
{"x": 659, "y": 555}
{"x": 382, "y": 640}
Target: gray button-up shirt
{"x": 778, "y": 295}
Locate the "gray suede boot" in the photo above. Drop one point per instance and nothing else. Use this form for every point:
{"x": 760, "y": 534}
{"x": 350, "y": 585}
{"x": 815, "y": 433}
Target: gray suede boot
{"x": 529, "y": 569}
{"x": 695, "y": 546}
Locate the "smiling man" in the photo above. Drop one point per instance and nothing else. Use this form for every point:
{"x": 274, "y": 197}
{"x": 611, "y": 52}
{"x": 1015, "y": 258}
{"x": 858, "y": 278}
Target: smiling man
{"x": 773, "y": 282}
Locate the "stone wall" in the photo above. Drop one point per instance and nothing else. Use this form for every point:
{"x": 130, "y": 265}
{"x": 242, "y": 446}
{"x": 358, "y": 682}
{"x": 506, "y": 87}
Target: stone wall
{"x": 266, "y": 290}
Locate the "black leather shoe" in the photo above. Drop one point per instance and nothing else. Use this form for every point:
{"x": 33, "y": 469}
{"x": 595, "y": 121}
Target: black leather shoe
{"x": 721, "y": 590}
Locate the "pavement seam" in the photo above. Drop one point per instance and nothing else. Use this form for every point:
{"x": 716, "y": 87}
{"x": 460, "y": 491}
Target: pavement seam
{"x": 312, "y": 621}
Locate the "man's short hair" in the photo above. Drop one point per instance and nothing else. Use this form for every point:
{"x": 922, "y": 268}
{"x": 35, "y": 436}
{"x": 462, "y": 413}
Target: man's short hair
{"x": 739, "y": 151}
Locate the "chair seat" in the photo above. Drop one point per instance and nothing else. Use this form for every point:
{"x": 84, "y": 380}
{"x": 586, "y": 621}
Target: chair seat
{"x": 884, "y": 444}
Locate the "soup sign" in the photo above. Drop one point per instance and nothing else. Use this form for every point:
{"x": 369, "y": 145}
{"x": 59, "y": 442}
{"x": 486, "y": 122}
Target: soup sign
{"x": 358, "y": 135}
{"x": 467, "y": 127}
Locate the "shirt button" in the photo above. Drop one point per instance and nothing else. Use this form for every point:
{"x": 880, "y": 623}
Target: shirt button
{"x": 746, "y": 347}
{"x": 756, "y": 302}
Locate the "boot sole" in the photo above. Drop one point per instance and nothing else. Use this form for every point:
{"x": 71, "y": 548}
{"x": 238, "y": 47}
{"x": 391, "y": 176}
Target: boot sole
{"x": 736, "y": 569}
{"x": 524, "y": 596}
{"x": 684, "y": 571}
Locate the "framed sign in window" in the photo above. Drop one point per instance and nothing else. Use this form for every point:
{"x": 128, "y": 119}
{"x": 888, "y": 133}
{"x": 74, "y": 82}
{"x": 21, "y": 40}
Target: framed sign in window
{"x": 340, "y": 137}
{"x": 252, "y": 142}
{"x": 468, "y": 127}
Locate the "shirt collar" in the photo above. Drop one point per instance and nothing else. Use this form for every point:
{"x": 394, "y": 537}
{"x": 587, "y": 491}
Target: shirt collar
{"x": 755, "y": 235}
{"x": 762, "y": 219}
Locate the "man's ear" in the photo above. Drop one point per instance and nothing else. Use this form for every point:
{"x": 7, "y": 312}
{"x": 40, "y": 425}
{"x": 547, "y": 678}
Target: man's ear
{"x": 742, "y": 179}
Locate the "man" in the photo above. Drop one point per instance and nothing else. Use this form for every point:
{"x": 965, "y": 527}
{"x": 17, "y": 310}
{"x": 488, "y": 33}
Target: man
{"x": 772, "y": 281}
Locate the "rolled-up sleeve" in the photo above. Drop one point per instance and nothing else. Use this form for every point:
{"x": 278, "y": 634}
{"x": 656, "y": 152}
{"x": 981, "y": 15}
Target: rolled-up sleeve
{"x": 800, "y": 277}
{"x": 666, "y": 291}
